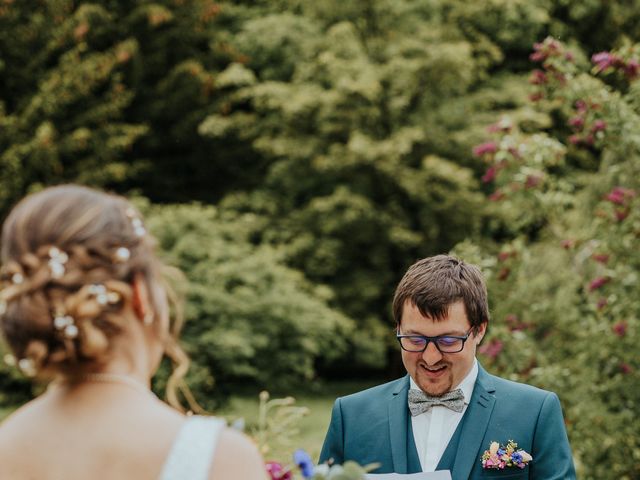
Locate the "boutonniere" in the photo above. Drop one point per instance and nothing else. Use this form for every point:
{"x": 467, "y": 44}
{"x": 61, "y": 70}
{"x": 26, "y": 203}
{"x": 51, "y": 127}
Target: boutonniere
{"x": 500, "y": 456}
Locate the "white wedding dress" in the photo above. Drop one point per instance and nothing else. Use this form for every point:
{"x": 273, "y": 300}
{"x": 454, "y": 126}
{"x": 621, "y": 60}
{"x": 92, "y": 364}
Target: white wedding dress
{"x": 192, "y": 450}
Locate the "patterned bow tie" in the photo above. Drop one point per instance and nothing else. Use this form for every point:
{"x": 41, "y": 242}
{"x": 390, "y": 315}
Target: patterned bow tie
{"x": 420, "y": 402}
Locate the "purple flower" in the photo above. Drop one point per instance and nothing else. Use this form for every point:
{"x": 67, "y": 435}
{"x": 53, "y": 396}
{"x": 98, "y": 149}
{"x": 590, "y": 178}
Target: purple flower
{"x": 304, "y": 462}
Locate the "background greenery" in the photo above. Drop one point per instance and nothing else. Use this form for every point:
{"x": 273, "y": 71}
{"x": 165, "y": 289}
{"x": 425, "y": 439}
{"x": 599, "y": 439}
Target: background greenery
{"x": 294, "y": 157}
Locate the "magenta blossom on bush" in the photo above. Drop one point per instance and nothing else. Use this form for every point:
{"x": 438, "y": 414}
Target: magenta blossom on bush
{"x": 602, "y": 302}
{"x": 620, "y": 328}
{"x": 598, "y": 283}
{"x": 625, "y": 368}
{"x": 497, "y": 196}
{"x": 490, "y": 174}
{"x": 604, "y": 60}
{"x": 491, "y": 349}
{"x": 484, "y": 148}
{"x": 620, "y": 195}
{"x": 599, "y": 126}
{"x": 600, "y": 257}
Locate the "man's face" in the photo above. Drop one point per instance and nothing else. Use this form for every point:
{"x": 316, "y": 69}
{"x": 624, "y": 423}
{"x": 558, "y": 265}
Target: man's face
{"x": 434, "y": 372}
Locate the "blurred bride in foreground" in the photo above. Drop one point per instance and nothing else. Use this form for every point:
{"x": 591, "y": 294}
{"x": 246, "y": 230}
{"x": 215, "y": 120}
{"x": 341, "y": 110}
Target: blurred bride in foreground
{"x": 83, "y": 304}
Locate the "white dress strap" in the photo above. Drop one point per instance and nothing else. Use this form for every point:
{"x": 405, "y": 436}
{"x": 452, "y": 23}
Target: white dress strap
{"x": 192, "y": 451}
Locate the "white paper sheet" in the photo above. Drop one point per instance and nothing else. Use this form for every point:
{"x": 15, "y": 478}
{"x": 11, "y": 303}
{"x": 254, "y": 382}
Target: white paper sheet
{"x": 439, "y": 475}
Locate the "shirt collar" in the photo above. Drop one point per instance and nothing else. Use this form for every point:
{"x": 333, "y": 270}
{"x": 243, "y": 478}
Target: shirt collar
{"x": 466, "y": 385}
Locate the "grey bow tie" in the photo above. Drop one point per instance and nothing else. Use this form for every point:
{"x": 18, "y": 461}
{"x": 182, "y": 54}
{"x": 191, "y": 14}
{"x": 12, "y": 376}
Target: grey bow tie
{"x": 420, "y": 402}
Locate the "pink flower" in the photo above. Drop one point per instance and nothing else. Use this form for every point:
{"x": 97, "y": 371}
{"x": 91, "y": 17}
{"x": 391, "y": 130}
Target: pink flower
{"x": 632, "y": 69}
{"x": 602, "y": 302}
{"x": 502, "y": 256}
{"x": 503, "y": 125}
{"x": 497, "y": 196}
{"x": 603, "y": 60}
{"x": 598, "y": 283}
{"x": 599, "y": 126}
{"x": 600, "y": 257}
{"x": 621, "y": 214}
{"x": 277, "y": 472}
{"x": 620, "y": 328}
{"x": 537, "y": 96}
{"x": 532, "y": 181}
{"x": 625, "y": 368}
{"x": 490, "y": 174}
{"x": 575, "y": 139}
{"x": 577, "y": 123}
{"x": 538, "y": 77}
{"x": 491, "y": 349}
{"x": 568, "y": 243}
{"x": 620, "y": 195}
{"x": 581, "y": 106}
{"x": 503, "y": 274}
{"x": 484, "y": 148}
{"x": 512, "y": 319}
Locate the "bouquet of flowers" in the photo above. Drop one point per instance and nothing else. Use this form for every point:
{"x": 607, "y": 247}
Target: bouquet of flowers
{"x": 348, "y": 471}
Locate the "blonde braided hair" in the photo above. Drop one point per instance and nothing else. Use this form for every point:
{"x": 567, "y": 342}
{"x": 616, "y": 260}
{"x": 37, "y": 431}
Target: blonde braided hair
{"x": 69, "y": 255}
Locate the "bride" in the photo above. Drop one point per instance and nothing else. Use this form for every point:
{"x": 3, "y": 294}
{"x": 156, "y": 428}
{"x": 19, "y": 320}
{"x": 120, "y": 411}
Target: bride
{"x": 83, "y": 305}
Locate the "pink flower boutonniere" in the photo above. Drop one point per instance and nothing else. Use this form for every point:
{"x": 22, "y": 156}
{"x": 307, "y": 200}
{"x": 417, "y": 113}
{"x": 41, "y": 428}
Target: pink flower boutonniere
{"x": 498, "y": 456}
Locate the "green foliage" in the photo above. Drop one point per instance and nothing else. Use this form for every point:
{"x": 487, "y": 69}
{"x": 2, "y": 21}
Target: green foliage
{"x": 565, "y": 294}
{"x": 250, "y": 317}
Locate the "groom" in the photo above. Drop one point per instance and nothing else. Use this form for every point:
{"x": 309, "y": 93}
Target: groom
{"x": 448, "y": 410}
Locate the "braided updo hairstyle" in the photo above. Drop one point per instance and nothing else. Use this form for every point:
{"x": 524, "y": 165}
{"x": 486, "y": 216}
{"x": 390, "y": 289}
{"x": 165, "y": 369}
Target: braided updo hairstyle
{"x": 69, "y": 257}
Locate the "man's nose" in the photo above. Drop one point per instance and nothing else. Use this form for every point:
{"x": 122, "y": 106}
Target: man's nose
{"x": 431, "y": 355}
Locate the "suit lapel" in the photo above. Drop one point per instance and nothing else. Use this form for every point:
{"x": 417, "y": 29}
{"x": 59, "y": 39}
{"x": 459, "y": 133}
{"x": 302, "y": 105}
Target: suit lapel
{"x": 398, "y": 417}
{"x": 476, "y": 420}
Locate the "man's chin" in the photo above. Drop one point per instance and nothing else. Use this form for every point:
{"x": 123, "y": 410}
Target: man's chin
{"x": 435, "y": 390}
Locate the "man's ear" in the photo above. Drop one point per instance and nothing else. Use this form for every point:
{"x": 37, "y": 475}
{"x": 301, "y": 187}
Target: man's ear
{"x": 482, "y": 329}
{"x": 141, "y": 299}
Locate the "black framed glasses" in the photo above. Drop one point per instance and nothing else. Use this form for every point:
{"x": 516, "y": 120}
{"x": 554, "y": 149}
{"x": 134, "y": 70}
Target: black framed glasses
{"x": 444, "y": 343}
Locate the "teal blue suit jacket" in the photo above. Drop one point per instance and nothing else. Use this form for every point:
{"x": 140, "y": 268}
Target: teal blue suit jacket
{"x": 374, "y": 426}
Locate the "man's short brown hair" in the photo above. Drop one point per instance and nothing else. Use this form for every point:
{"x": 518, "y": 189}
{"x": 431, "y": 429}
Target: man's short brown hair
{"x": 433, "y": 284}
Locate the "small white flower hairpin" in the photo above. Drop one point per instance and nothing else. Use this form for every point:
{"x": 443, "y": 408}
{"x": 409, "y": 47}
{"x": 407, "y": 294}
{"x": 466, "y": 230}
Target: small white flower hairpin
{"x": 138, "y": 227}
{"x": 27, "y": 366}
{"x": 57, "y": 260}
{"x": 122, "y": 254}
{"x": 103, "y": 295}
{"x": 66, "y": 324}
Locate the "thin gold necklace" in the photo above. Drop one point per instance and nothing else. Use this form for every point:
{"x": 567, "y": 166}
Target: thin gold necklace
{"x": 110, "y": 378}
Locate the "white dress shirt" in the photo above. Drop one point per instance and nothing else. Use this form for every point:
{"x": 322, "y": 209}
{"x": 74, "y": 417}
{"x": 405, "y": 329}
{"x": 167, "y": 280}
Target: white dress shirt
{"x": 432, "y": 430}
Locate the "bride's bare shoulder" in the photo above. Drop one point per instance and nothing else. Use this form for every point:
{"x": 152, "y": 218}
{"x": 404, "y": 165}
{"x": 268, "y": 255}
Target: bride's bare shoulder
{"x": 237, "y": 457}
